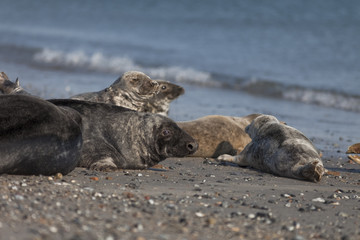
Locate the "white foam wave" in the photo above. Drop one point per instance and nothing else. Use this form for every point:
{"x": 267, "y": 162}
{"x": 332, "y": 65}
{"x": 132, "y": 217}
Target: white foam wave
{"x": 323, "y": 98}
{"x": 118, "y": 65}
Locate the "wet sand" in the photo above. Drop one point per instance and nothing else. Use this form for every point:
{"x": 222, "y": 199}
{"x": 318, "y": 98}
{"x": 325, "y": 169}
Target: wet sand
{"x": 183, "y": 198}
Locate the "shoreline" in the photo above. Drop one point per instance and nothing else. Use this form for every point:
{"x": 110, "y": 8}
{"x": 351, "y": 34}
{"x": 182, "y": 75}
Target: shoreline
{"x": 184, "y": 198}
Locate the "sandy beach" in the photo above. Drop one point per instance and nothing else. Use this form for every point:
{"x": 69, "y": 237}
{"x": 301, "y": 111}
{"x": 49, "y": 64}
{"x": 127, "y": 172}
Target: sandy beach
{"x": 183, "y": 198}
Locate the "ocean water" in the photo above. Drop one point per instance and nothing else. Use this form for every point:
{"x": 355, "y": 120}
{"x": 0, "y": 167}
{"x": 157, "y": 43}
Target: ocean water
{"x": 295, "y": 59}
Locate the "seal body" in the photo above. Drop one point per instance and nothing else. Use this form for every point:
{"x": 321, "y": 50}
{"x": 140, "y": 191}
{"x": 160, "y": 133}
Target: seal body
{"x": 132, "y": 90}
{"x": 160, "y": 102}
{"x": 37, "y": 137}
{"x": 217, "y": 135}
{"x": 279, "y": 149}
{"x": 119, "y": 138}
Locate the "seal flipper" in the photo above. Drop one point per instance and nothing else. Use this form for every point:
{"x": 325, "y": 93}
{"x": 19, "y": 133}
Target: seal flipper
{"x": 106, "y": 165}
{"x": 313, "y": 171}
{"x": 238, "y": 159}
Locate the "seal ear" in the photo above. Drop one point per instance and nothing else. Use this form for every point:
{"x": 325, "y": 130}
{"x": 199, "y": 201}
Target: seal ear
{"x": 17, "y": 83}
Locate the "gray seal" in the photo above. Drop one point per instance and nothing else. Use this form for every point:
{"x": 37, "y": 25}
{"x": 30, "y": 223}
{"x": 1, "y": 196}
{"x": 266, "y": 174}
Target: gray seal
{"x": 132, "y": 90}
{"x": 119, "y": 138}
{"x": 160, "y": 102}
{"x": 9, "y": 87}
{"x": 37, "y": 137}
{"x": 279, "y": 149}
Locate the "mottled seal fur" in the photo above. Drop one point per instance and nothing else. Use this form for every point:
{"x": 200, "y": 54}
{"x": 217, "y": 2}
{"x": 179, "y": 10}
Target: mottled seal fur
{"x": 217, "y": 135}
{"x": 160, "y": 102}
{"x": 132, "y": 90}
{"x": 279, "y": 149}
{"x": 37, "y": 137}
{"x": 9, "y": 87}
{"x": 119, "y": 138}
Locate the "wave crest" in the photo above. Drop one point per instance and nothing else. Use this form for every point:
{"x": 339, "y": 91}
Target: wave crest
{"x": 118, "y": 65}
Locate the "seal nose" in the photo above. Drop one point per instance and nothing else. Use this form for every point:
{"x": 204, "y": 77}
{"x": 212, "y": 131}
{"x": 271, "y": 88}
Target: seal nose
{"x": 192, "y": 147}
{"x": 154, "y": 83}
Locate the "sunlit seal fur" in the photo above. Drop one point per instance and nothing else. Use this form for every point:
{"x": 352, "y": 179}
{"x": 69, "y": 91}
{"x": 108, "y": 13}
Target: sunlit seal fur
{"x": 279, "y": 149}
{"x": 217, "y": 135}
{"x": 37, "y": 137}
{"x": 9, "y": 87}
{"x": 132, "y": 90}
{"x": 119, "y": 138}
{"x": 160, "y": 102}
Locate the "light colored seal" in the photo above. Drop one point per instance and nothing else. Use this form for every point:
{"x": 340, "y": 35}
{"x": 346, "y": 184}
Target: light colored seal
{"x": 217, "y": 135}
{"x": 279, "y": 149}
{"x": 160, "y": 102}
{"x": 118, "y": 138}
{"x": 132, "y": 90}
{"x": 37, "y": 137}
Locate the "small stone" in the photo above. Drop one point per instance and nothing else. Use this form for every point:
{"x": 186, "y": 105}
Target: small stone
{"x": 53, "y": 229}
{"x": 58, "y": 176}
{"x": 94, "y": 178}
{"x": 199, "y": 214}
{"x": 318, "y": 200}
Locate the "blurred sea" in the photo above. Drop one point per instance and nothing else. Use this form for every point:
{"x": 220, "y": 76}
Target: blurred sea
{"x": 295, "y": 59}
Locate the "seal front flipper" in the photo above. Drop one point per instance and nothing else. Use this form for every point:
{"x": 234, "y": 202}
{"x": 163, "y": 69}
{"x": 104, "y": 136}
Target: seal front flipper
{"x": 106, "y": 165}
{"x": 238, "y": 159}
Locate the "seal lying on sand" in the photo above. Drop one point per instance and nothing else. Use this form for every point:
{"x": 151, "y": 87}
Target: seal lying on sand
{"x": 119, "y": 138}
{"x": 8, "y": 87}
{"x": 355, "y": 148}
{"x": 279, "y": 149}
{"x": 132, "y": 90}
{"x": 37, "y": 137}
{"x": 217, "y": 135}
{"x": 160, "y": 102}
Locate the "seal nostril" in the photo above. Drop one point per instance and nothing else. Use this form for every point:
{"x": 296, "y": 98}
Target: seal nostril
{"x": 190, "y": 146}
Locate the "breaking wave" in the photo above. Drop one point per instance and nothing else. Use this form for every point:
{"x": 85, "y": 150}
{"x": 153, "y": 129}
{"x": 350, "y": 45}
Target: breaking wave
{"x": 79, "y": 60}
{"x": 118, "y": 65}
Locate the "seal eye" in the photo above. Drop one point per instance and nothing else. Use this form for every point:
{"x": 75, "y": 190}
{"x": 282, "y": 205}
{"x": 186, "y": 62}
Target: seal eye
{"x": 163, "y": 87}
{"x": 166, "y": 132}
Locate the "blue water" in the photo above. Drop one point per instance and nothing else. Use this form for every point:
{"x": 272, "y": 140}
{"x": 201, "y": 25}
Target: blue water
{"x": 298, "y": 60}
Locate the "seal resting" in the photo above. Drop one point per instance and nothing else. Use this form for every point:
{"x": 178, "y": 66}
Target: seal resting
{"x": 160, "y": 102}
{"x": 118, "y": 138}
{"x": 8, "y": 87}
{"x": 279, "y": 149}
{"x": 355, "y": 148}
{"x": 132, "y": 90}
{"x": 37, "y": 137}
{"x": 217, "y": 135}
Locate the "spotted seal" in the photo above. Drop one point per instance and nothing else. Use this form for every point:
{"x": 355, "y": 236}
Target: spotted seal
{"x": 119, "y": 138}
{"x": 132, "y": 90}
{"x": 160, "y": 102}
{"x": 37, "y": 137}
{"x": 279, "y": 149}
{"x": 217, "y": 135}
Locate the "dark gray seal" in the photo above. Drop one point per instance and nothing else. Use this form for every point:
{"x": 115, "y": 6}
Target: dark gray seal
{"x": 119, "y": 138}
{"x": 160, "y": 102}
{"x": 37, "y": 137}
{"x": 279, "y": 149}
{"x": 132, "y": 90}
{"x": 9, "y": 87}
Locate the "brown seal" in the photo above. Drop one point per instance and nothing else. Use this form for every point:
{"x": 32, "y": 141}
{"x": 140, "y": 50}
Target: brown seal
{"x": 217, "y": 135}
{"x": 355, "y": 148}
{"x": 279, "y": 149}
